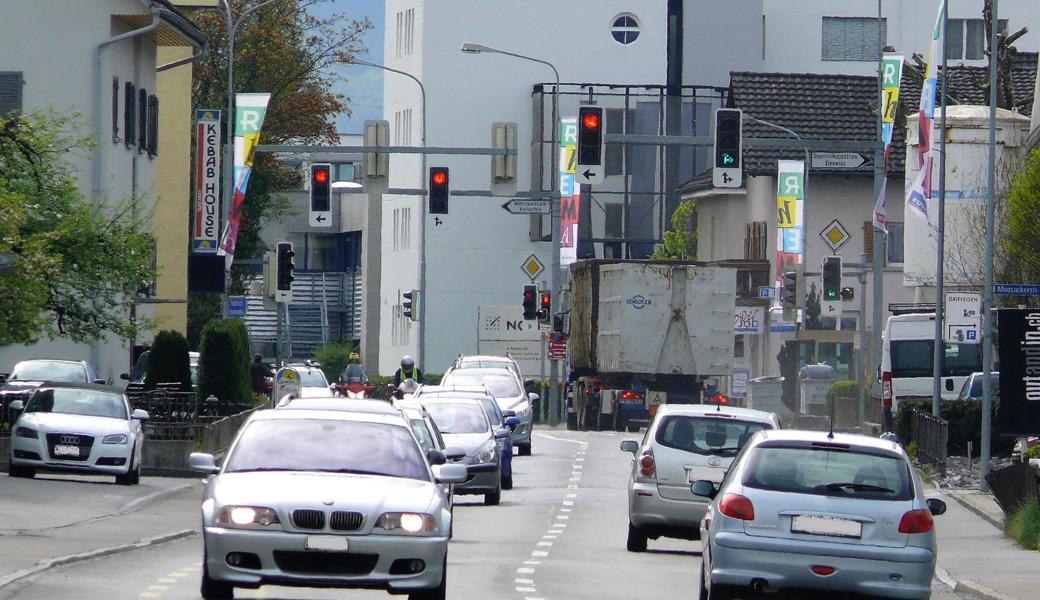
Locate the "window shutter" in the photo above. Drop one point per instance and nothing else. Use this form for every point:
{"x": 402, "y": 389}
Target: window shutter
{"x": 142, "y": 123}
{"x": 153, "y": 126}
{"x": 868, "y": 241}
{"x": 115, "y": 110}
{"x": 10, "y": 92}
{"x": 129, "y": 114}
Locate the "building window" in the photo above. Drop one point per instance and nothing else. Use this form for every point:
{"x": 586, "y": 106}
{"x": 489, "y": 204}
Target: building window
{"x": 852, "y": 38}
{"x": 115, "y": 110}
{"x": 405, "y": 38}
{"x": 755, "y": 236}
{"x": 10, "y": 92}
{"x": 625, "y": 29}
{"x": 894, "y": 244}
{"x": 346, "y": 172}
{"x": 129, "y": 114}
{"x": 966, "y": 38}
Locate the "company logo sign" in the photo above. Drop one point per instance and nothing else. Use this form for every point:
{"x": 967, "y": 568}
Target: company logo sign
{"x": 638, "y": 302}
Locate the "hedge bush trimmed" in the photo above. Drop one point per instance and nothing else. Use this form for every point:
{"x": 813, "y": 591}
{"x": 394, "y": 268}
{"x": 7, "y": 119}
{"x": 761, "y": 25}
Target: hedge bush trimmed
{"x": 965, "y": 420}
{"x": 333, "y": 358}
{"x": 224, "y": 363}
{"x": 168, "y": 361}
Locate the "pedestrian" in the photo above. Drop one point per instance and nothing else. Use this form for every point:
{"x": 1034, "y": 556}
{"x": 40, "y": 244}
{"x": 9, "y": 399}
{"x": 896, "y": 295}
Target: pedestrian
{"x": 259, "y": 371}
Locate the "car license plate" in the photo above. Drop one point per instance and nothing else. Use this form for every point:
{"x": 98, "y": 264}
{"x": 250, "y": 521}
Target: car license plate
{"x": 62, "y": 450}
{"x": 326, "y": 543}
{"x": 830, "y": 526}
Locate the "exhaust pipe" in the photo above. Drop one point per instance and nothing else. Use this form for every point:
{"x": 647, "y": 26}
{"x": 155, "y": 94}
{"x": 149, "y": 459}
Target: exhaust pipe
{"x": 760, "y": 586}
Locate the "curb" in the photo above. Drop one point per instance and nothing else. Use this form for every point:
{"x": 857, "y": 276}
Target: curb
{"x": 979, "y": 590}
{"x": 974, "y": 509}
{"x": 153, "y": 498}
{"x": 58, "y": 561}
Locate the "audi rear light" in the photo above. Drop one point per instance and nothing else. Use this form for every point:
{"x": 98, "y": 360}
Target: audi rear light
{"x": 647, "y": 467}
{"x": 916, "y": 521}
{"x": 886, "y": 388}
{"x": 630, "y": 395}
{"x": 736, "y": 506}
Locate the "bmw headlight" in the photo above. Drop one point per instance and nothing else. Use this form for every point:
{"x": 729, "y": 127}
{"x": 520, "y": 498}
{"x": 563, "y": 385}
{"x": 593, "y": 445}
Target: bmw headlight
{"x": 407, "y": 523}
{"x": 486, "y": 453}
{"x": 243, "y": 516}
{"x": 117, "y": 438}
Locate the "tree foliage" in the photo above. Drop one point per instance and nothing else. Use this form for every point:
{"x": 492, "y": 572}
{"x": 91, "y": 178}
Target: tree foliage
{"x": 77, "y": 264}
{"x": 224, "y": 364}
{"x": 1021, "y": 244}
{"x": 680, "y": 242}
{"x": 168, "y": 361}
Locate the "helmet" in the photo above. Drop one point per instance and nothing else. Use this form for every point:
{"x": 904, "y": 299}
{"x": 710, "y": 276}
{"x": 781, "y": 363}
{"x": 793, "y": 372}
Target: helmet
{"x": 408, "y": 386}
{"x": 354, "y": 356}
{"x": 407, "y": 362}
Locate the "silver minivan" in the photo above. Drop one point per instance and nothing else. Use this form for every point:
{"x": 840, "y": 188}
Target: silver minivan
{"x": 684, "y": 443}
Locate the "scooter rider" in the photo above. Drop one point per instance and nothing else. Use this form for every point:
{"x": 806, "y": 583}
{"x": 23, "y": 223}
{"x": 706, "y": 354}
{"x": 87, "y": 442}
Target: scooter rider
{"x": 354, "y": 372}
{"x": 408, "y": 370}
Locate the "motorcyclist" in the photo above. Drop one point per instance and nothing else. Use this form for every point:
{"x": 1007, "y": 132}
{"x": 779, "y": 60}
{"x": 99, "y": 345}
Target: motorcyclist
{"x": 407, "y": 388}
{"x": 408, "y": 370}
{"x": 354, "y": 372}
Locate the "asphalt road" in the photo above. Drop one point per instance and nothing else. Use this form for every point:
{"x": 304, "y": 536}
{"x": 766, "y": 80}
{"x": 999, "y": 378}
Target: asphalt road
{"x": 559, "y": 534}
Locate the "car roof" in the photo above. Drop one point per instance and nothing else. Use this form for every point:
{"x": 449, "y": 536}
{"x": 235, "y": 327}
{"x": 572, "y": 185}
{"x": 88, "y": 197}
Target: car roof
{"x": 438, "y": 390}
{"x": 53, "y": 360}
{"x": 426, "y": 401}
{"x": 476, "y": 371}
{"x": 802, "y": 435}
{"x": 485, "y": 357}
{"x": 75, "y": 385}
{"x": 328, "y": 414}
{"x": 376, "y": 407}
{"x": 710, "y": 409}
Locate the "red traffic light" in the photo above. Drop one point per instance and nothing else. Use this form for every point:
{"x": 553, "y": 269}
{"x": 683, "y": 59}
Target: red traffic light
{"x": 439, "y": 178}
{"x": 590, "y": 121}
{"x": 528, "y": 295}
{"x": 321, "y": 175}
{"x": 546, "y": 299}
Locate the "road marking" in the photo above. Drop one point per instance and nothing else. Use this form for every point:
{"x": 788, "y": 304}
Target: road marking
{"x": 572, "y": 495}
{"x": 539, "y": 553}
{"x": 545, "y": 544}
{"x": 560, "y": 439}
{"x": 532, "y": 562}
{"x": 523, "y": 580}
{"x": 150, "y": 594}
{"x": 568, "y": 502}
{"x": 564, "y": 517}
{"x": 555, "y": 525}
{"x": 525, "y": 589}
{"x": 525, "y": 570}
{"x": 580, "y": 458}
{"x": 549, "y": 537}
{"x": 565, "y": 510}
{"x": 166, "y": 580}
{"x": 578, "y": 467}
{"x": 555, "y": 532}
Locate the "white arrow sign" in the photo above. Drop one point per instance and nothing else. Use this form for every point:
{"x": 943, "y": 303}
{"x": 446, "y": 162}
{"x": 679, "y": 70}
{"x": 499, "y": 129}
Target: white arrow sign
{"x": 525, "y": 206}
{"x": 838, "y": 160}
{"x": 589, "y": 175}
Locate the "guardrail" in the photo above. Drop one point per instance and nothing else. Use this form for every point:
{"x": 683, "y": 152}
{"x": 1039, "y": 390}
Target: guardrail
{"x": 931, "y": 434}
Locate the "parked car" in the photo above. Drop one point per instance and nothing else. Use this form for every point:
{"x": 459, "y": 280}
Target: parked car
{"x": 508, "y": 388}
{"x": 465, "y": 425}
{"x": 27, "y": 375}
{"x": 486, "y": 362}
{"x": 342, "y": 500}
{"x": 972, "y": 388}
{"x": 683, "y": 443}
{"x": 806, "y": 510}
{"x": 77, "y": 428}
{"x": 301, "y": 380}
{"x": 499, "y": 419}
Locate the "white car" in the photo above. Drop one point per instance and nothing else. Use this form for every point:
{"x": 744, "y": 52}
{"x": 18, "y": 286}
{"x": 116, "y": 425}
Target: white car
{"x": 77, "y": 428}
{"x": 507, "y": 387}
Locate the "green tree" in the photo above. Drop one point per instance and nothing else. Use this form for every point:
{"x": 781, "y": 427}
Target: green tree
{"x": 224, "y": 364}
{"x": 168, "y": 361}
{"x": 680, "y": 243}
{"x": 1022, "y": 245}
{"x": 333, "y": 358}
{"x": 77, "y": 264}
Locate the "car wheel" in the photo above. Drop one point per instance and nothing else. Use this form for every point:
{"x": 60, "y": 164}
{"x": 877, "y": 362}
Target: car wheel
{"x": 704, "y": 588}
{"x": 507, "y": 482}
{"x": 16, "y": 471}
{"x": 636, "y": 539}
{"x": 438, "y": 593}
{"x": 524, "y": 449}
{"x": 128, "y": 477}
{"x": 493, "y": 498}
{"x": 212, "y": 589}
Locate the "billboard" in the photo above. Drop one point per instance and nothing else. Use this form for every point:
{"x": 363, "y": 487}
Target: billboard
{"x": 1019, "y": 353}
{"x": 207, "y": 181}
{"x": 502, "y": 330}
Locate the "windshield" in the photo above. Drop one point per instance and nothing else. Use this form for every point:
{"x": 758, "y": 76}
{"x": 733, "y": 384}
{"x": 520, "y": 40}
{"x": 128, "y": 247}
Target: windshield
{"x": 48, "y": 370}
{"x": 972, "y": 388}
{"x": 828, "y": 472}
{"x": 312, "y": 378}
{"x": 502, "y": 384}
{"x": 91, "y": 403}
{"x": 707, "y": 435}
{"x": 913, "y": 358}
{"x": 328, "y": 446}
{"x": 458, "y": 418}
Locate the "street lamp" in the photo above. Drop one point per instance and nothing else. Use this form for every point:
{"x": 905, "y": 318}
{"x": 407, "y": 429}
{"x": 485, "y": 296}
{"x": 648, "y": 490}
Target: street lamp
{"x": 422, "y": 206}
{"x": 554, "y": 221}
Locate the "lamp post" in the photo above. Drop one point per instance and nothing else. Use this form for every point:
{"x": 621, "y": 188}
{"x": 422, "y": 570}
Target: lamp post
{"x": 421, "y": 351}
{"x": 554, "y": 221}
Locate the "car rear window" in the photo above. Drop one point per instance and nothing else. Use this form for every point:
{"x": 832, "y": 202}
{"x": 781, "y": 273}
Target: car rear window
{"x": 707, "y": 435}
{"x": 828, "y": 471}
{"x": 458, "y": 418}
{"x": 502, "y": 384}
{"x": 46, "y": 370}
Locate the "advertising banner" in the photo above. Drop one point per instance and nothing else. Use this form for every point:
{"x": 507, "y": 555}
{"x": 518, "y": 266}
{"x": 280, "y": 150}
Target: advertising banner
{"x": 790, "y": 220}
{"x": 1019, "y": 353}
{"x": 502, "y": 330}
{"x": 570, "y": 192}
{"x": 891, "y": 75}
{"x": 249, "y": 117}
{"x": 749, "y": 320}
{"x": 920, "y": 190}
{"x": 207, "y": 181}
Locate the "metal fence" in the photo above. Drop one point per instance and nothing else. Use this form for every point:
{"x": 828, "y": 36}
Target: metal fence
{"x": 175, "y": 415}
{"x": 931, "y": 434}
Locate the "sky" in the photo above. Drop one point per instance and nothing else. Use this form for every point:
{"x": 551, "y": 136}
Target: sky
{"x": 363, "y": 85}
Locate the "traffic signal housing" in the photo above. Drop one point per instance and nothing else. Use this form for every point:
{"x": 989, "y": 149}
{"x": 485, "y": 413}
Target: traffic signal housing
{"x": 545, "y": 307}
{"x": 728, "y": 130}
{"x": 439, "y": 187}
{"x": 789, "y": 291}
{"x": 590, "y": 136}
{"x": 530, "y": 302}
{"x": 321, "y": 187}
{"x": 410, "y": 304}
{"x": 284, "y": 271}
{"x": 832, "y": 279}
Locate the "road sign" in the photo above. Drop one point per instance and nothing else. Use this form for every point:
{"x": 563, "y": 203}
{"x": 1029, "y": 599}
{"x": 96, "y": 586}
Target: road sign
{"x": 588, "y": 175}
{"x": 525, "y": 206}
{"x": 1016, "y": 289}
{"x": 962, "y": 317}
{"x": 236, "y": 306}
{"x": 557, "y": 346}
{"x": 835, "y": 235}
{"x": 765, "y": 291}
{"x": 532, "y": 267}
{"x": 838, "y": 160}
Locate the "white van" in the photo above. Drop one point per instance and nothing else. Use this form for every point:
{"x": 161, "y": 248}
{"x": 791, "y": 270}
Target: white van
{"x": 906, "y": 360}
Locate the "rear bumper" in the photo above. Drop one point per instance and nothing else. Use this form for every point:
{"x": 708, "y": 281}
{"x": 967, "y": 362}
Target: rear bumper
{"x": 484, "y": 479}
{"x": 646, "y": 508}
{"x": 737, "y": 559}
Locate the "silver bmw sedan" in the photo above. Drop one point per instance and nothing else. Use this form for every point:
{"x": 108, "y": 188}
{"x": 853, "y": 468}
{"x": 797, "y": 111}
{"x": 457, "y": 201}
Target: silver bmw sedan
{"x": 321, "y": 498}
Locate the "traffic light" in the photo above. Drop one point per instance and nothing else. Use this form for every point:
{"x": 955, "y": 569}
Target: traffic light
{"x": 411, "y": 304}
{"x": 728, "y": 138}
{"x": 545, "y": 301}
{"x": 832, "y": 279}
{"x": 530, "y": 302}
{"x": 284, "y": 276}
{"x": 789, "y": 292}
{"x": 439, "y": 190}
{"x": 321, "y": 187}
{"x": 590, "y": 136}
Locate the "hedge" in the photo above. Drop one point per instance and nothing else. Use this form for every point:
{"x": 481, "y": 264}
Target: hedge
{"x": 333, "y": 358}
{"x": 224, "y": 363}
{"x": 168, "y": 361}
{"x": 965, "y": 420}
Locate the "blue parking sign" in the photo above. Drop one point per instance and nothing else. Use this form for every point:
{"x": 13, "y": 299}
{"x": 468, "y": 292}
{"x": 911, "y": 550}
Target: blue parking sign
{"x": 237, "y": 306}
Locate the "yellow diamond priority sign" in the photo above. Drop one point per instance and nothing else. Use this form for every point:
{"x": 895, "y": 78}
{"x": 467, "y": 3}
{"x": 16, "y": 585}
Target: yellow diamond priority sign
{"x": 835, "y": 235}
{"x": 532, "y": 267}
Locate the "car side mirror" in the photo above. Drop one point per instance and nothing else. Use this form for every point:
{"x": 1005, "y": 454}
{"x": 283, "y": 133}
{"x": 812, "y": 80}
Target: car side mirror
{"x": 703, "y": 488}
{"x": 508, "y": 413}
{"x": 16, "y": 406}
{"x": 512, "y": 421}
{"x": 949, "y": 385}
{"x": 436, "y": 457}
{"x": 528, "y": 382}
{"x": 631, "y": 446}
{"x": 454, "y": 453}
{"x": 936, "y": 506}
{"x": 203, "y": 463}
{"x": 501, "y": 432}
{"x": 140, "y": 415}
{"x": 124, "y": 376}
{"x": 101, "y": 381}
{"x": 450, "y": 473}
{"x": 533, "y": 397}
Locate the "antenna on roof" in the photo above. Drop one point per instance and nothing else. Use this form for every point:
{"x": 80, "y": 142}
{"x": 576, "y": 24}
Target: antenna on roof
{"x": 830, "y": 434}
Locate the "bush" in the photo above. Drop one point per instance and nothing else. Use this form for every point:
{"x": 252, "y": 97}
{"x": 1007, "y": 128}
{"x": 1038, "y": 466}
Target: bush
{"x": 1029, "y": 453}
{"x": 333, "y": 358}
{"x": 965, "y": 420}
{"x": 1024, "y": 525}
{"x": 224, "y": 363}
{"x": 168, "y": 361}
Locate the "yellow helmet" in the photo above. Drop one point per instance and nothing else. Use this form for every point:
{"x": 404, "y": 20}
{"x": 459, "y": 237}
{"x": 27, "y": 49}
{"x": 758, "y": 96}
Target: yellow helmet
{"x": 354, "y": 356}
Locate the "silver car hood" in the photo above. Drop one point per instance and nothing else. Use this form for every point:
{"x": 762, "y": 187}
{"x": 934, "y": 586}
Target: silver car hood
{"x": 470, "y": 442}
{"x": 66, "y": 423}
{"x": 370, "y": 494}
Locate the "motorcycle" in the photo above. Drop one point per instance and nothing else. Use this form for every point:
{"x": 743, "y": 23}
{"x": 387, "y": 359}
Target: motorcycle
{"x": 355, "y": 389}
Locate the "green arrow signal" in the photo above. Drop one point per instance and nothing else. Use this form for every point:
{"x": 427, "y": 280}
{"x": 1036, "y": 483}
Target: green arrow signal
{"x": 727, "y": 158}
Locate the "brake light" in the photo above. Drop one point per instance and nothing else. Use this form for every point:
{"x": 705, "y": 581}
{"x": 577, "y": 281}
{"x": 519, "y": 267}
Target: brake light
{"x": 823, "y": 570}
{"x": 886, "y": 388}
{"x": 647, "y": 468}
{"x": 916, "y": 521}
{"x": 737, "y": 507}
{"x": 630, "y": 395}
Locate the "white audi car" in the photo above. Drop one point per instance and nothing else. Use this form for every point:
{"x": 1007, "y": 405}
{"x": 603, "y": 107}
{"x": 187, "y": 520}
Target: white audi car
{"x": 77, "y": 428}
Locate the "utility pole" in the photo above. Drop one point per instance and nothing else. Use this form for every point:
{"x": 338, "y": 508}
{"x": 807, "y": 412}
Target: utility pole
{"x": 938, "y": 348}
{"x": 878, "y": 237}
{"x": 987, "y": 302}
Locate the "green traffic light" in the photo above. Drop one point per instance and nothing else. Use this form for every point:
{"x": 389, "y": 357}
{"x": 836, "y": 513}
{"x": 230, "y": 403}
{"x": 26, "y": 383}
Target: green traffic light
{"x": 727, "y": 158}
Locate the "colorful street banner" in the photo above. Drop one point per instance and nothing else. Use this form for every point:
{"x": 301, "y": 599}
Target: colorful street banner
{"x": 921, "y": 188}
{"x": 790, "y": 214}
{"x": 207, "y": 181}
{"x": 891, "y": 75}
{"x": 570, "y": 192}
{"x": 249, "y": 117}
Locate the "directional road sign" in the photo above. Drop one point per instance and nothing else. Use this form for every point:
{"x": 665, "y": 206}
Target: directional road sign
{"x": 838, "y": 160}
{"x": 1016, "y": 289}
{"x": 526, "y": 206}
{"x": 588, "y": 175}
{"x": 962, "y": 316}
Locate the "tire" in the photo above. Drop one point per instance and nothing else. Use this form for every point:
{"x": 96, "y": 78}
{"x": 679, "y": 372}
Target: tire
{"x": 438, "y": 593}
{"x": 212, "y": 589}
{"x": 493, "y": 498}
{"x": 21, "y": 472}
{"x": 703, "y": 595}
{"x": 636, "y": 539}
{"x": 128, "y": 477}
{"x": 523, "y": 449}
{"x": 507, "y": 482}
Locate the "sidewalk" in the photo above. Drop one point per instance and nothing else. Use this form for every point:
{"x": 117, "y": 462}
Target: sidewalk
{"x": 975, "y": 553}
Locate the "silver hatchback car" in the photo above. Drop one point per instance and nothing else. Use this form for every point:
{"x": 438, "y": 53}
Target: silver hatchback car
{"x": 805, "y": 510}
{"x": 683, "y": 443}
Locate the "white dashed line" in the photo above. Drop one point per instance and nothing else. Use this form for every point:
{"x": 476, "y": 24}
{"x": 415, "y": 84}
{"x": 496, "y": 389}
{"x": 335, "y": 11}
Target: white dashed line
{"x": 532, "y": 562}
{"x": 525, "y": 590}
{"x": 564, "y": 517}
{"x": 539, "y": 553}
{"x": 525, "y": 570}
{"x": 523, "y": 581}
{"x": 545, "y": 544}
